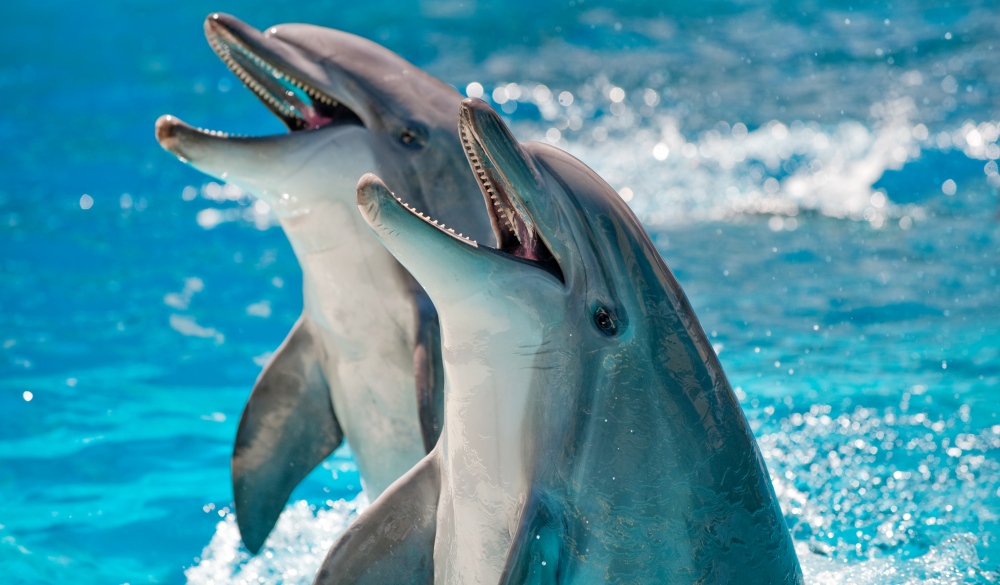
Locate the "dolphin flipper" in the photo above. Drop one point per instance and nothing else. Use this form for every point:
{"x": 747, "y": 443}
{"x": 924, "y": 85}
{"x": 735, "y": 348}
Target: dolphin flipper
{"x": 393, "y": 540}
{"x": 427, "y": 368}
{"x": 534, "y": 554}
{"x": 287, "y": 428}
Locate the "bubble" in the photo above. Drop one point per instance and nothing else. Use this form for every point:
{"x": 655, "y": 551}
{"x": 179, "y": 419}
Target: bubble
{"x": 974, "y": 138}
{"x": 27, "y": 395}
{"x": 565, "y": 99}
{"x": 500, "y": 95}
{"x": 626, "y": 194}
{"x": 661, "y": 151}
{"x": 86, "y": 201}
{"x": 513, "y": 91}
{"x": 209, "y": 218}
{"x": 617, "y": 94}
{"x": 474, "y": 90}
{"x": 949, "y": 187}
{"x": 553, "y": 135}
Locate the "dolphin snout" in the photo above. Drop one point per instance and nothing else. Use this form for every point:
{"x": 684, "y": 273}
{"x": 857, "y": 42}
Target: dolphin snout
{"x": 166, "y": 133}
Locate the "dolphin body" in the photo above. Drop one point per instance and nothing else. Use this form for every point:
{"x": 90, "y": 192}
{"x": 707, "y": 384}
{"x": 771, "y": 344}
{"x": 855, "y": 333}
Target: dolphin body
{"x": 363, "y": 360}
{"x": 590, "y": 433}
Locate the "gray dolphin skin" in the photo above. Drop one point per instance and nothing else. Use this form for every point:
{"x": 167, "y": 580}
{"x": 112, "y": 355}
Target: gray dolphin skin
{"x": 590, "y": 434}
{"x": 363, "y": 361}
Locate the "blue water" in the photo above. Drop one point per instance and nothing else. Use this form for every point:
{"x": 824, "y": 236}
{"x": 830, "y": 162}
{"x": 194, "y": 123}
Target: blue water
{"x": 821, "y": 178}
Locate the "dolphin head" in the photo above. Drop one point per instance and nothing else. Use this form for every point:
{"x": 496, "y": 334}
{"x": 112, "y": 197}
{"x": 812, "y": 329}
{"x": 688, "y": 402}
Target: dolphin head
{"x": 350, "y": 105}
{"x": 569, "y": 251}
{"x": 574, "y": 281}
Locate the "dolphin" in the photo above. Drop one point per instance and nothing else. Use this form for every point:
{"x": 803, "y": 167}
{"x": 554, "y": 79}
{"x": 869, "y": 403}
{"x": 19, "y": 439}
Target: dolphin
{"x": 590, "y": 434}
{"x": 363, "y": 360}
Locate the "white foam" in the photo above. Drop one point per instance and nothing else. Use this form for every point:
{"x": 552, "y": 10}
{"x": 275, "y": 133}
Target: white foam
{"x": 952, "y": 562}
{"x": 783, "y": 167}
{"x": 292, "y": 554}
{"x": 298, "y": 544}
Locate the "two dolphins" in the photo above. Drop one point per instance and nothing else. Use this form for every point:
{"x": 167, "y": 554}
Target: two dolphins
{"x": 589, "y": 433}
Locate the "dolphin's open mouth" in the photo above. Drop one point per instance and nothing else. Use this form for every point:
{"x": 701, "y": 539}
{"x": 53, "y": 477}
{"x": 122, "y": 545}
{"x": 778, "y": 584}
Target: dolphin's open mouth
{"x": 298, "y": 104}
{"x": 498, "y": 173}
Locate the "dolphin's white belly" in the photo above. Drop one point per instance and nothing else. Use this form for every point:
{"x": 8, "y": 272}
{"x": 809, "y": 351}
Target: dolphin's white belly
{"x": 356, "y": 292}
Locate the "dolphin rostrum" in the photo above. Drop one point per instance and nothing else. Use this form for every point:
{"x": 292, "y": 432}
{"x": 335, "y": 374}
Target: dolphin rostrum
{"x": 363, "y": 361}
{"x": 590, "y": 434}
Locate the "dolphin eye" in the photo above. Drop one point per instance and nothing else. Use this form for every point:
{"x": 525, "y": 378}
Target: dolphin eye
{"x": 604, "y": 322}
{"x": 413, "y": 136}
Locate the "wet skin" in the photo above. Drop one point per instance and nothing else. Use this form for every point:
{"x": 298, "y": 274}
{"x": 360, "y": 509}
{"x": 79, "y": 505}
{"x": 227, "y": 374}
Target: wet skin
{"x": 590, "y": 433}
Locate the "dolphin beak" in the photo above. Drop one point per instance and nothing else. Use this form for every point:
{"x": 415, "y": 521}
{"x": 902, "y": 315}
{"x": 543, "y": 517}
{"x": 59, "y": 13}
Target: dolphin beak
{"x": 188, "y": 143}
{"x": 286, "y": 78}
{"x": 446, "y": 263}
{"x": 172, "y": 133}
{"x": 267, "y": 166}
{"x": 510, "y": 182}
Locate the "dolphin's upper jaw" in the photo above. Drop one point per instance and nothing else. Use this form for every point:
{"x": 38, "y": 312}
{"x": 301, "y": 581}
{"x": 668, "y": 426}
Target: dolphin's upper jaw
{"x": 296, "y": 101}
{"x": 513, "y": 226}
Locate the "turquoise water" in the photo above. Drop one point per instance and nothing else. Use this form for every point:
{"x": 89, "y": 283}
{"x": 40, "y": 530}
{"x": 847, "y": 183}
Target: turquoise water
{"x": 821, "y": 178}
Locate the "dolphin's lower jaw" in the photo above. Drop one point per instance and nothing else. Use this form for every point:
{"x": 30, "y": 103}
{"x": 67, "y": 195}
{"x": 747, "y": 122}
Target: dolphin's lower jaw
{"x": 294, "y": 100}
{"x": 172, "y": 133}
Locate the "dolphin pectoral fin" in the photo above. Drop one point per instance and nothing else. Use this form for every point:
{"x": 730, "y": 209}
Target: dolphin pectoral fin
{"x": 427, "y": 369}
{"x": 534, "y": 554}
{"x": 393, "y": 540}
{"x": 287, "y": 428}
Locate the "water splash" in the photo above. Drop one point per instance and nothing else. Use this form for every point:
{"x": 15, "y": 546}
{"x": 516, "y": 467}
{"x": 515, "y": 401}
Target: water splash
{"x": 292, "y": 554}
{"x": 953, "y": 562}
{"x": 875, "y": 498}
